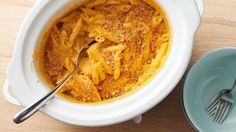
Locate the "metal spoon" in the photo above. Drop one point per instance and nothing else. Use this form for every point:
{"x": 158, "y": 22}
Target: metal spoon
{"x": 33, "y": 108}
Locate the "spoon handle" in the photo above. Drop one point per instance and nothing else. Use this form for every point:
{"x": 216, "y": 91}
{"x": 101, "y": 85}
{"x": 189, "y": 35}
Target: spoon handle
{"x": 31, "y": 109}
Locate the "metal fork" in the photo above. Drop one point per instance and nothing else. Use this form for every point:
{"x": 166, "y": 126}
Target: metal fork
{"x": 220, "y": 106}
{"x": 214, "y": 103}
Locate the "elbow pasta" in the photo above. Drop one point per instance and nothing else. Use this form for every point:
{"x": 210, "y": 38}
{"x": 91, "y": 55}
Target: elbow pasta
{"x": 132, "y": 43}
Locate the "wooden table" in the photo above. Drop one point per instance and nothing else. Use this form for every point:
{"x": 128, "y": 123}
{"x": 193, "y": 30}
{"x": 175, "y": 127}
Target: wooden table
{"x": 218, "y": 30}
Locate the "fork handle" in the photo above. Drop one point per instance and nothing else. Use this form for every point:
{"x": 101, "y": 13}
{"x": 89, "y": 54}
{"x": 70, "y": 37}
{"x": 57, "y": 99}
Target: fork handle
{"x": 232, "y": 90}
{"x": 234, "y": 86}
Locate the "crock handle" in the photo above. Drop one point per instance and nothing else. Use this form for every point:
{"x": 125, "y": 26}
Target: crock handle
{"x": 8, "y": 96}
{"x": 200, "y": 6}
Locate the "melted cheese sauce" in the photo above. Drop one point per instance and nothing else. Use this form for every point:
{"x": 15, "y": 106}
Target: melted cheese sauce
{"x": 133, "y": 40}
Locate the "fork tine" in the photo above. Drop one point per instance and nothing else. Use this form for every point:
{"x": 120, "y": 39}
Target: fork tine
{"x": 224, "y": 113}
{"x": 227, "y": 110}
{"x": 223, "y": 110}
{"x": 213, "y": 103}
{"x": 219, "y": 111}
{"x": 212, "y": 111}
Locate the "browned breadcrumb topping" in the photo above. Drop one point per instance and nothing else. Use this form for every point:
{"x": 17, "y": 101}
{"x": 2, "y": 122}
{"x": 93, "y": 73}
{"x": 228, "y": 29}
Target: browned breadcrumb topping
{"x": 56, "y": 53}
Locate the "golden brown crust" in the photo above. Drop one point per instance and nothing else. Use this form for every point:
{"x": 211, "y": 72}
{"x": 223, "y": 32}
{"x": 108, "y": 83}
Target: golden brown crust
{"x": 129, "y": 49}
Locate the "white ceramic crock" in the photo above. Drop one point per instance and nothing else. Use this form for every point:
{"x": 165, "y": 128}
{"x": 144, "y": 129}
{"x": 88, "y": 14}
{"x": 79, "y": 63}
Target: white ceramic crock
{"x": 184, "y": 18}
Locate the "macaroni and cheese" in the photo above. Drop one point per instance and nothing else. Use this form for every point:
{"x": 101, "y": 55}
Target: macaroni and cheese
{"x": 132, "y": 44}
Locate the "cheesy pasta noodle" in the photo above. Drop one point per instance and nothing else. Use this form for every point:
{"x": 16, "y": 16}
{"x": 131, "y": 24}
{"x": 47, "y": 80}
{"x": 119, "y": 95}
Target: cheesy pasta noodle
{"x": 132, "y": 43}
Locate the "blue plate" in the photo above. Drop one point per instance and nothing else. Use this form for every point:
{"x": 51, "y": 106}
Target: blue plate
{"x": 214, "y": 71}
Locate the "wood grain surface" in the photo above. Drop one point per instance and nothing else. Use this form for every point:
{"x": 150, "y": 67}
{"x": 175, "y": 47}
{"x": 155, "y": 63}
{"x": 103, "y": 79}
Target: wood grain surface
{"x": 218, "y": 30}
